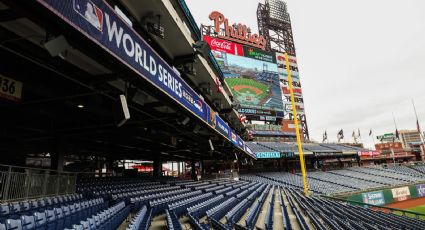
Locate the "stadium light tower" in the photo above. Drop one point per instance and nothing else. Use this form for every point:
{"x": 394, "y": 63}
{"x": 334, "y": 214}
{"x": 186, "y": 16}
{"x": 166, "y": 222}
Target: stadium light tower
{"x": 274, "y": 23}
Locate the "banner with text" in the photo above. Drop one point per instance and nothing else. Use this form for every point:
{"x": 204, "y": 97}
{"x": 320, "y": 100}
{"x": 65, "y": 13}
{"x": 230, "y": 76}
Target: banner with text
{"x": 374, "y": 198}
{"x": 401, "y": 194}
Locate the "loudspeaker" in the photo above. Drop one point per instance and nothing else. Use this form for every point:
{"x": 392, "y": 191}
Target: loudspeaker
{"x": 58, "y": 46}
{"x": 202, "y": 48}
{"x": 121, "y": 112}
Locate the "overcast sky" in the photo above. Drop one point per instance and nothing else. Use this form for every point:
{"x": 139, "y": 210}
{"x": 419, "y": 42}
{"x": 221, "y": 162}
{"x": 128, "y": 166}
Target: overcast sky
{"x": 360, "y": 61}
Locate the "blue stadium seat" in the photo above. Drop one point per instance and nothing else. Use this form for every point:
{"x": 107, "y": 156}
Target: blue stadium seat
{"x": 34, "y": 205}
{"x": 77, "y": 227}
{"x": 92, "y": 223}
{"x": 25, "y": 207}
{"x": 4, "y": 212}
{"x": 41, "y": 205}
{"x": 15, "y": 209}
{"x": 86, "y": 225}
{"x": 74, "y": 214}
{"x": 60, "y": 218}
{"x": 40, "y": 221}
{"x": 51, "y": 219}
{"x": 12, "y": 224}
{"x": 67, "y": 217}
{"x": 28, "y": 222}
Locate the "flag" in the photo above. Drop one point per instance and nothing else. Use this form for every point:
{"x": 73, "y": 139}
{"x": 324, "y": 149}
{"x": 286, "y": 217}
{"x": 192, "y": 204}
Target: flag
{"x": 370, "y": 133}
{"x": 219, "y": 87}
{"x": 417, "y": 126}
{"x": 242, "y": 118}
{"x": 397, "y": 135}
{"x": 354, "y": 134}
{"x": 250, "y": 134}
{"x": 340, "y": 135}
{"x": 325, "y": 137}
{"x": 358, "y": 131}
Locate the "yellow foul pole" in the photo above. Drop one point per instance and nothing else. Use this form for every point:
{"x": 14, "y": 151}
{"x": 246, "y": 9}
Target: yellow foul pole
{"x": 297, "y": 129}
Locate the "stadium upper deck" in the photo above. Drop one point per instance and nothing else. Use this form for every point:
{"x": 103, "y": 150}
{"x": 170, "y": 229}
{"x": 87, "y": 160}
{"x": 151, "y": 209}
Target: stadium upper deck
{"x": 72, "y": 60}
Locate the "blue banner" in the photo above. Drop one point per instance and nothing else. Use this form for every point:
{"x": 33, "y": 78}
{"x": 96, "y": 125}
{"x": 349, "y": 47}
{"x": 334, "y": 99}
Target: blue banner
{"x": 241, "y": 143}
{"x": 267, "y": 155}
{"x": 222, "y": 127}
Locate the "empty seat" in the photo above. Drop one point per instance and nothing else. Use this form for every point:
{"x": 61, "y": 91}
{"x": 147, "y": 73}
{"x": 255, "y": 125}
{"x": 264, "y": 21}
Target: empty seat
{"x": 25, "y": 207}
{"x": 60, "y": 218}
{"x": 15, "y": 209}
{"x": 40, "y": 221}
{"x": 51, "y": 219}
{"x": 41, "y": 205}
{"x": 13, "y": 224}
{"x": 86, "y": 225}
{"x": 92, "y": 223}
{"x": 67, "y": 217}
{"x": 28, "y": 222}
{"x": 77, "y": 227}
{"x": 4, "y": 212}
{"x": 33, "y": 205}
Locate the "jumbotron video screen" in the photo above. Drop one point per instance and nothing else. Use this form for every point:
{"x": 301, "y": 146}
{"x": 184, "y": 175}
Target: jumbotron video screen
{"x": 251, "y": 74}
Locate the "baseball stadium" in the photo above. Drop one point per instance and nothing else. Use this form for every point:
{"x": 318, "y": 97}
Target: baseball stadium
{"x": 120, "y": 115}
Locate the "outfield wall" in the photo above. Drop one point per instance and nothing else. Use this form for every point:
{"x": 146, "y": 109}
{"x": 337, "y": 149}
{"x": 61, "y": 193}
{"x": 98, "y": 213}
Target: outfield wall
{"x": 387, "y": 196}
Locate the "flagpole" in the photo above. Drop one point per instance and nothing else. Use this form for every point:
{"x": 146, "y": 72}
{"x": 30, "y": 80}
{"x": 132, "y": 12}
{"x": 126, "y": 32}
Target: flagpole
{"x": 373, "y": 139}
{"x": 419, "y": 130}
{"x": 417, "y": 122}
{"x": 395, "y": 124}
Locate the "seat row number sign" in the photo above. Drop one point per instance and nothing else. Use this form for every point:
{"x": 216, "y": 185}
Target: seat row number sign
{"x": 10, "y": 89}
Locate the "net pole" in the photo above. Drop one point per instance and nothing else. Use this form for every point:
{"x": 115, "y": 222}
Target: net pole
{"x": 297, "y": 128}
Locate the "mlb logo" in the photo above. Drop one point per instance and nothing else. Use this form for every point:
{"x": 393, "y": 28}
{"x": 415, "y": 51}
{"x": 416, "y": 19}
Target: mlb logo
{"x": 233, "y": 137}
{"x": 90, "y": 12}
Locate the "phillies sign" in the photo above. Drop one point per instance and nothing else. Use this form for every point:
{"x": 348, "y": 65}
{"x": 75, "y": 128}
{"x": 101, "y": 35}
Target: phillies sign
{"x": 236, "y": 32}
{"x": 224, "y": 46}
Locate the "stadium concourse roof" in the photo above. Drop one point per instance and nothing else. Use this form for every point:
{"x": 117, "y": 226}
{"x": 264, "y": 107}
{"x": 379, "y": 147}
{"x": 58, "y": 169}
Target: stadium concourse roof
{"x": 67, "y": 99}
{"x": 309, "y": 148}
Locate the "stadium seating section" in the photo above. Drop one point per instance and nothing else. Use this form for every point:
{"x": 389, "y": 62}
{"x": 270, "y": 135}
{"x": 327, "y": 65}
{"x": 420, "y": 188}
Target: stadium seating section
{"x": 264, "y": 200}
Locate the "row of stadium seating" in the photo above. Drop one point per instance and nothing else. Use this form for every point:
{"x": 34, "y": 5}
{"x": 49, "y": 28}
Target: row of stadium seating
{"x": 337, "y": 181}
{"x": 16, "y": 209}
{"x": 223, "y": 204}
{"x": 292, "y": 147}
{"x": 56, "y": 218}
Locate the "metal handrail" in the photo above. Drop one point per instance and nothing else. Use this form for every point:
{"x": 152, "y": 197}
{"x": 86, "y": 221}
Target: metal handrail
{"x": 417, "y": 214}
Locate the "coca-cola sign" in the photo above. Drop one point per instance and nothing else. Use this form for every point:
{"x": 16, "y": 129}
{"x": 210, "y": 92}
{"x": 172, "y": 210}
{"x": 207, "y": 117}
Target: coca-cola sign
{"x": 224, "y": 46}
{"x": 236, "y": 32}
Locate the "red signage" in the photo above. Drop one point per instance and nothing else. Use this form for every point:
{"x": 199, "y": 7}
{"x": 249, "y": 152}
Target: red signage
{"x": 297, "y": 91}
{"x": 236, "y": 32}
{"x": 224, "y": 46}
{"x": 369, "y": 153}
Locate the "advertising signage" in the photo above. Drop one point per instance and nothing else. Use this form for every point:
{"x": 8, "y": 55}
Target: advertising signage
{"x": 421, "y": 190}
{"x": 267, "y": 155}
{"x": 239, "y": 33}
{"x": 98, "y": 22}
{"x": 224, "y": 46}
{"x": 258, "y": 54}
{"x": 401, "y": 194}
{"x": 374, "y": 198}
{"x": 373, "y": 153}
